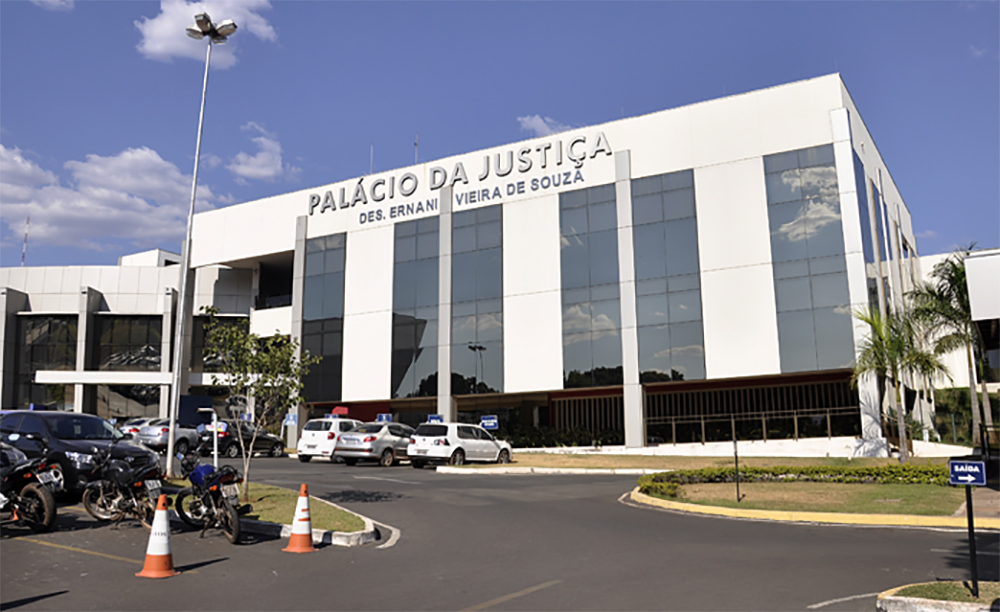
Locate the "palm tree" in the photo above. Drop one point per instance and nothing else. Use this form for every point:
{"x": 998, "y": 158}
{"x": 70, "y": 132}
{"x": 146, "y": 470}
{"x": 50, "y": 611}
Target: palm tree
{"x": 893, "y": 349}
{"x": 943, "y": 306}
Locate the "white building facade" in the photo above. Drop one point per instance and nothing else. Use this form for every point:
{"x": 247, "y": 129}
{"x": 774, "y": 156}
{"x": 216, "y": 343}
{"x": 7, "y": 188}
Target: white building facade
{"x": 683, "y": 276}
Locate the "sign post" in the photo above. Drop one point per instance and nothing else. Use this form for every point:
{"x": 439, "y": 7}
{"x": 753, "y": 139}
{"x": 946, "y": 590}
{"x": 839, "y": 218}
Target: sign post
{"x": 971, "y": 474}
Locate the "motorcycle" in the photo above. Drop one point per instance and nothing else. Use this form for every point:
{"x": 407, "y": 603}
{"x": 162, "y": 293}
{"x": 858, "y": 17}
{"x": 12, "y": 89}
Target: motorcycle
{"x": 26, "y": 490}
{"x": 213, "y": 497}
{"x": 123, "y": 489}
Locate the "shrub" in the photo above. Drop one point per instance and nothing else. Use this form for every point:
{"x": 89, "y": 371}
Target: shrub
{"x": 890, "y": 474}
{"x": 650, "y": 486}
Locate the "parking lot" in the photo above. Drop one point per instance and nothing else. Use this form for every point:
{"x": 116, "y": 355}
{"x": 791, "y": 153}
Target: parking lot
{"x": 477, "y": 542}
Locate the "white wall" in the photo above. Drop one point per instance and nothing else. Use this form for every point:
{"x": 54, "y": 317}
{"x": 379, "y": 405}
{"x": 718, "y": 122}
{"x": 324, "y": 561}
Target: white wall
{"x": 367, "y": 361}
{"x": 532, "y": 308}
{"x": 737, "y": 280}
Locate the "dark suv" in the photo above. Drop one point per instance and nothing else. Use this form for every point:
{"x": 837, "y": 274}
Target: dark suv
{"x": 71, "y": 439}
{"x": 229, "y": 444}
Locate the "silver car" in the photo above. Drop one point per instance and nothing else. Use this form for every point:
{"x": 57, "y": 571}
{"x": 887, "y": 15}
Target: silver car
{"x": 156, "y": 434}
{"x": 382, "y": 442}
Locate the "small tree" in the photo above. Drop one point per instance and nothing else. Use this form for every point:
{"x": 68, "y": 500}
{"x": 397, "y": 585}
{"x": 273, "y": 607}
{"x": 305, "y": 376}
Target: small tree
{"x": 943, "y": 305}
{"x": 268, "y": 370}
{"x": 892, "y": 350}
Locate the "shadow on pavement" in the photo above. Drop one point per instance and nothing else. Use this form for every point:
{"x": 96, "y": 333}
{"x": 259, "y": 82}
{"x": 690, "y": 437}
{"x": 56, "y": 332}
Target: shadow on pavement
{"x": 361, "y": 496}
{"x": 17, "y": 603}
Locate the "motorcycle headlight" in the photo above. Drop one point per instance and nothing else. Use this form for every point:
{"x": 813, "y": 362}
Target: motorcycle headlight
{"x": 80, "y": 460}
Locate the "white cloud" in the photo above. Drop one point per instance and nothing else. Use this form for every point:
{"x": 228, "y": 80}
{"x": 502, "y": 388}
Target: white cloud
{"x": 811, "y": 218}
{"x": 927, "y": 234}
{"x": 266, "y": 164}
{"x": 164, "y": 38}
{"x": 541, "y": 126}
{"x": 54, "y": 5}
{"x": 134, "y": 196}
{"x": 977, "y": 51}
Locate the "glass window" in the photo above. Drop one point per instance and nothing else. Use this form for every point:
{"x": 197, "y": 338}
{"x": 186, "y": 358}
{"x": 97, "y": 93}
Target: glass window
{"x": 573, "y": 221}
{"x": 796, "y": 341}
{"x": 463, "y": 239}
{"x": 603, "y": 254}
{"x": 649, "y": 242}
{"x": 783, "y": 186}
{"x": 647, "y": 208}
{"x": 654, "y": 353}
{"x": 687, "y": 351}
{"x": 574, "y": 262}
{"x": 651, "y": 309}
{"x": 793, "y": 294}
{"x": 678, "y": 204}
{"x": 685, "y": 306}
{"x": 834, "y": 337}
{"x": 829, "y": 290}
{"x": 602, "y": 216}
{"x": 682, "y": 247}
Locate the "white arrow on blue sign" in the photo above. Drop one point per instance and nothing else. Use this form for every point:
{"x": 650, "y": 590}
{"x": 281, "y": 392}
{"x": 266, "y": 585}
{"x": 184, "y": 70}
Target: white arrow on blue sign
{"x": 435, "y": 418}
{"x": 384, "y": 417}
{"x": 967, "y": 472}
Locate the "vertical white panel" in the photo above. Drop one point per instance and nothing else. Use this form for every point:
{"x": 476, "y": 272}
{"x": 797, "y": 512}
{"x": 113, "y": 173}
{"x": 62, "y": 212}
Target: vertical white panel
{"x": 741, "y": 324}
{"x": 53, "y": 280}
{"x": 71, "y": 280}
{"x": 368, "y": 275}
{"x": 531, "y": 246}
{"x": 731, "y": 202}
{"x": 532, "y": 309}
{"x": 532, "y": 342}
{"x": 367, "y": 348}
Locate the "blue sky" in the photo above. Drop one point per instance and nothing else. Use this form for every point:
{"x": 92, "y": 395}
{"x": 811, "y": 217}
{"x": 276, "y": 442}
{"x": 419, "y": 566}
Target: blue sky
{"x": 99, "y": 100}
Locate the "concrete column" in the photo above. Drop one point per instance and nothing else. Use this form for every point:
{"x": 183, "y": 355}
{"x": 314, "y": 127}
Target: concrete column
{"x": 298, "y": 292}
{"x": 84, "y": 396}
{"x": 12, "y": 302}
{"x": 445, "y": 403}
{"x": 632, "y": 404}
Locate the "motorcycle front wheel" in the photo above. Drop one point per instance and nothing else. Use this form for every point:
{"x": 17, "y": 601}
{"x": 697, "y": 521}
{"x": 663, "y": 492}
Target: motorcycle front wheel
{"x": 101, "y": 503}
{"x": 229, "y": 520}
{"x": 190, "y": 508}
{"x": 37, "y": 508}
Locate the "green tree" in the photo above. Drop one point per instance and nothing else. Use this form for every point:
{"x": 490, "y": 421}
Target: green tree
{"x": 267, "y": 371}
{"x": 943, "y": 306}
{"x": 893, "y": 349}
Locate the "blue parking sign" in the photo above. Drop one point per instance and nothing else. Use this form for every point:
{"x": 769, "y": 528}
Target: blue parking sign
{"x": 384, "y": 417}
{"x": 489, "y": 421}
{"x": 967, "y": 472}
{"x": 435, "y": 418}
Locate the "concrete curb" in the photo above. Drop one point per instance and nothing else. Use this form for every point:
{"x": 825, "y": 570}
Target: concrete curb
{"x": 447, "y": 469}
{"x": 889, "y": 602}
{"x": 319, "y": 536}
{"x": 832, "y": 518}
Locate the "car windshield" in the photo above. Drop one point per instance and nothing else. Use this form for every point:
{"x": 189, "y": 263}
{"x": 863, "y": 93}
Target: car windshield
{"x": 368, "y": 428}
{"x": 434, "y": 431}
{"x": 82, "y": 428}
{"x": 317, "y": 426}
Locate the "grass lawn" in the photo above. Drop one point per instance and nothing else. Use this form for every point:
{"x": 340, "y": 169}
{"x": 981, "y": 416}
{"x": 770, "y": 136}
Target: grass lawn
{"x": 277, "y": 505}
{"x": 915, "y": 499}
{"x": 989, "y": 592}
{"x": 551, "y": 460}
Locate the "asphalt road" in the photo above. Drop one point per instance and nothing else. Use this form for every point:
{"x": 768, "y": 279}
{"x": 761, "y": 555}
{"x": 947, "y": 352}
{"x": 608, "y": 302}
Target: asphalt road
{"x": 477, "y": 542}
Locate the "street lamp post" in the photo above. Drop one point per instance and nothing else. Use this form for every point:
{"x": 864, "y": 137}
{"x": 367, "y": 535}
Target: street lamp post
{"x": 217, "y": 34}
{"x": 478, "y": 350}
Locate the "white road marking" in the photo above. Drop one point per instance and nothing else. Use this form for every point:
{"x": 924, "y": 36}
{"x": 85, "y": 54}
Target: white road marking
{"x": 841, "y": 600}
{"x": 978, "y": 552}
{"x": 385, "y": 479}
{"x": 506, "y": 598}
{"x": 393, "y": 537}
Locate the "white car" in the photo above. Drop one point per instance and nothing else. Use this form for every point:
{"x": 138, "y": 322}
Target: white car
{"x": 455, "y": 444}
{"x": 319, "y": 437}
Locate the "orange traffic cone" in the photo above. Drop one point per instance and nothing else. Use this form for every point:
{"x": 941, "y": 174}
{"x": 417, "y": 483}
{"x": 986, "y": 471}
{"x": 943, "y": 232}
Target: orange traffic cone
{"x": 159, "y": 560}
{"x": 301, "y": 539}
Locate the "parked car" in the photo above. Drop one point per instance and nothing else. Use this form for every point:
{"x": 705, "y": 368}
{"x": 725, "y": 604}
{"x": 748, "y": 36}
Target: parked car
{"x": 319, "y": 437}
{"x": 133, "y": 425}
{"x": 156, "y": 435}
{"x": 71, "y": 439}
{"x": 382, "y": 442}
{"x": 229, "y": 444}
{"x": 455, "y": 444}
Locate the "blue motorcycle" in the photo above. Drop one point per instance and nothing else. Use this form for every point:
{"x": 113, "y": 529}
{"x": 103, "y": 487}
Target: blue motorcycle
{"x": 213, "y": 497}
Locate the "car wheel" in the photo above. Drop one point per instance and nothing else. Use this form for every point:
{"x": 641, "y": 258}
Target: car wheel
{"x": 181, "y": 447}
{"x": 278, "y": 450}
{"x": 457, "y": 458}
{"x": 304, "y": 458}
{"x": 350, "y": 460}
{"x": 417, "y": 464}
{"x": 233, "y": 450}
{"x": 386, "y": 458}
{"x": 504, "y": 456}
